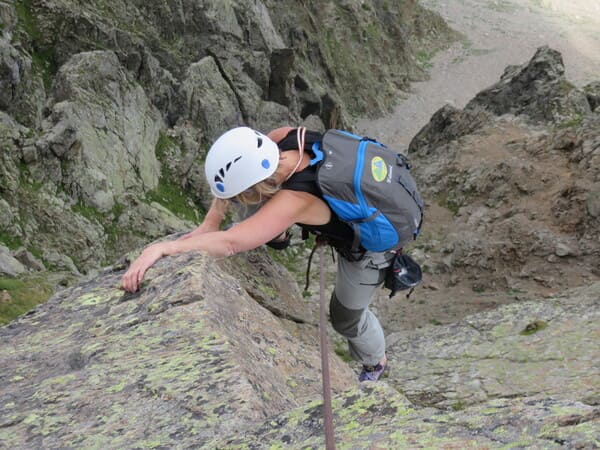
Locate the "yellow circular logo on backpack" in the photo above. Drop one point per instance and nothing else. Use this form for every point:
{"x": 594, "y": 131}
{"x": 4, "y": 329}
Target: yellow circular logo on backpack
{"x": 379, "y": 168}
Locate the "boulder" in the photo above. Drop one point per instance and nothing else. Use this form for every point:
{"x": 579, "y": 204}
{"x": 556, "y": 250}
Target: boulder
{"x": 313, "y": 122}
{"x": 446, "y": 125}
{"x": 66, "y": 239}
{"x": 537, "y": 89}
{"x": 273, "y": 115}
{"x": 5, "y": 297}
{"x": 9, "y": 266}
{"x": 210, "y": 102}
{"x": 60, "y": 262}
{"x": 154, "y": 219}
{"x": 28, "y": 260}
{"x": 103, "y": 130}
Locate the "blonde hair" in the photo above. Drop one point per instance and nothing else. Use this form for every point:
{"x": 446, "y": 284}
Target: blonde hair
{"x": 259, "y": 192}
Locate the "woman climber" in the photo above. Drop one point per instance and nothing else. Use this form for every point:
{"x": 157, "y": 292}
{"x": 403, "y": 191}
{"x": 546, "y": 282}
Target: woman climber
{"x": 273, "y": 173}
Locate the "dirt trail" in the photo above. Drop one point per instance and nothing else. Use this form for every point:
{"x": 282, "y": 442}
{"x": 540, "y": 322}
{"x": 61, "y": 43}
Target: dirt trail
{"x": 497, "y": 33}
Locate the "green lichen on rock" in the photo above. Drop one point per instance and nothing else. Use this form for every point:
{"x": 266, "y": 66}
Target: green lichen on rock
{"x": 489, "y": 356}
{"x": 378, "y": 414}
{"x": 179, "y": 358}
{"x": 193, "y": 358}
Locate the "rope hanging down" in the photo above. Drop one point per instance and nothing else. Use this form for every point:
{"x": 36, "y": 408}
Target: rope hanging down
{"x": 327, "y": 411}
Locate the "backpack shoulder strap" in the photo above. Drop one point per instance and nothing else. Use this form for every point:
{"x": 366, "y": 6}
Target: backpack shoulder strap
{"x": 304, "y": 181}
{"x": 290, "y": 141}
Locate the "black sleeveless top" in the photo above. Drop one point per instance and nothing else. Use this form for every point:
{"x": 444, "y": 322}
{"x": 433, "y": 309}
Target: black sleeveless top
{"x": 339, "y": 234}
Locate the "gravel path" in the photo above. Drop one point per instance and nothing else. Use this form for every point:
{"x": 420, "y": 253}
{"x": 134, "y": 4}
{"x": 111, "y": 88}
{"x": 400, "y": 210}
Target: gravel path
{"x": 497, "y": 33}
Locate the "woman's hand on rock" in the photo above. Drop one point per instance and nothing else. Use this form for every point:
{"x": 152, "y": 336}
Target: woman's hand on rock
{"x": 135, "y": 274}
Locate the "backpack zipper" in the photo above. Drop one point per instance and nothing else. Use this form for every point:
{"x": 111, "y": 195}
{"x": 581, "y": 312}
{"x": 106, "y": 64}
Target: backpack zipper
{"x": 358, "y": 175}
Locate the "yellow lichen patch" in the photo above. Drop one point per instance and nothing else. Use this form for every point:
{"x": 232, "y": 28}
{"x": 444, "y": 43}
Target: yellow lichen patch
{"x": 117, "y": 388}
{"x": 90, "y": 299}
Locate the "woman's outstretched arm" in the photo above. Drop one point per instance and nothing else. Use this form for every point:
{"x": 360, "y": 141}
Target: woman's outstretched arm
{"x": 270, "y": 221}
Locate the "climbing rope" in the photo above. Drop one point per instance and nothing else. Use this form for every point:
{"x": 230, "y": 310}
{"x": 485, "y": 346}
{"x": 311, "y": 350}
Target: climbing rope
{"x": 327, "y": 410}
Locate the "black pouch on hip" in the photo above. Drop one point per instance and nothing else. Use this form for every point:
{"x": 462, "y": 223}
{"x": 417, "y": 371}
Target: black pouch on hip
{"x": 281, "y": 244}
{"x": 402, "y": 274}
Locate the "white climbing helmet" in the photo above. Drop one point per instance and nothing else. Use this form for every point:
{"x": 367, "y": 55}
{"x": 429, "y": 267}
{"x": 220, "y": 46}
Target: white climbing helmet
{"x": 238, "y": 159}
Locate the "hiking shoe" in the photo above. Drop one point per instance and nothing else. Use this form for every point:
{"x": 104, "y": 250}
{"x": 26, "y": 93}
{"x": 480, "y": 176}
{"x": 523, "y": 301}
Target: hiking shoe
{"x": 371, "y": 373}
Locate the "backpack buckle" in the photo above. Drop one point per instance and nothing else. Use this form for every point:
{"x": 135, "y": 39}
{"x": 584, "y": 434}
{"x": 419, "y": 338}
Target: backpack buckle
{"x": 402, "y": 160}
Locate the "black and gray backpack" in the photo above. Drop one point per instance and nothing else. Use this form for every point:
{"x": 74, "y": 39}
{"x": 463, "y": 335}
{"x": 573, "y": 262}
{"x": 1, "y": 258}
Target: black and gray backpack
{"x": 370, "y": 187}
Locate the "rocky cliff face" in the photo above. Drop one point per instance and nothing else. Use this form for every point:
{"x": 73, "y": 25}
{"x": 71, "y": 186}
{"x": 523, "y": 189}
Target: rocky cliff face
{"x": 192, "y": 356}
{"x": 518, "y": 170}
{"x": 107, "y": 107}
{"x": 220, "y": 353}
{"x": 193, "y": 360}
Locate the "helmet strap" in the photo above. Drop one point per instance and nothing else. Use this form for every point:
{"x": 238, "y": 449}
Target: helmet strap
{"x": 301, "y": 136}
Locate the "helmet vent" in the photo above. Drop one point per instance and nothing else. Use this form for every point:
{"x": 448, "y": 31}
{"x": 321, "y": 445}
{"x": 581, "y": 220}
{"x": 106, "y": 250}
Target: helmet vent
{"x": 221, "y": 174}
{"x": 259, "y": 140}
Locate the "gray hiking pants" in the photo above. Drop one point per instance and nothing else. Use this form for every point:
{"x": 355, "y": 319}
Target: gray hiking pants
{"x": 355, "y": 285}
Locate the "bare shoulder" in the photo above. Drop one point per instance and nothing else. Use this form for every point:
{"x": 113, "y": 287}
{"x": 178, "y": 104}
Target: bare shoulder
{"x": 296, "y": 197}
{"x": 305, "y": 207}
